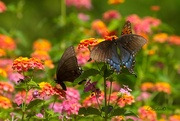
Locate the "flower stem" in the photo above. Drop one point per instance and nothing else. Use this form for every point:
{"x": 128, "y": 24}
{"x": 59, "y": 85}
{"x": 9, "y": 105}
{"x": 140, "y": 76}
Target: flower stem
{"x": 105, "y": 100}
{"x": 110, "y": 92}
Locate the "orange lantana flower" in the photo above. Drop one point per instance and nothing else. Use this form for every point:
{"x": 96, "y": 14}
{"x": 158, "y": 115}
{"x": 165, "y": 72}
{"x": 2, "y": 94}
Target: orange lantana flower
{"x": 174, "y": 39}
{"x": 146, "y": 113}
{"x": 5, "y": 102}
{"x": 42, "y": 44}
{"x": 126, "y": 100}
{"x": 147, "y": 86}
{"x": 100, "y": 27}
{"x": 161, "y": 37}
{"x": 3, "y": 73}
{"x": 39, "y": 54}
{"x": 86, "y": 43}
{"x": 2, "y": 52}
{"x": 7, "y": 42}
{"x": 6, "y": 87}
{"x": 115, "y": 1}
{"x": 48, "y": 90}
{"x": 23, "y": 64}
{"x": 49, "y": 64}
{"x": 163, "y": 87}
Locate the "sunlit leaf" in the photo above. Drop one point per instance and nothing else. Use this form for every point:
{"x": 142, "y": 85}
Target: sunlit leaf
{"x": 34, "y": 103}
{"x": 130, "y": 113}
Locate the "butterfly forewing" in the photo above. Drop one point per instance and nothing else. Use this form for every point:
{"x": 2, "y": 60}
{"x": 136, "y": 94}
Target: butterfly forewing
{"x": 69, "y": 52}
{"x": 105, "y": 50}
{"x": 68, "y": 69}
{"x": 131, "y": 42}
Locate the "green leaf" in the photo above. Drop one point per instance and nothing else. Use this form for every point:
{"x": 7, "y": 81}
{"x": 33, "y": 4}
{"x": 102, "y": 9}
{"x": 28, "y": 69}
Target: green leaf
{"x": 33, "y": 84}
{"x": 89, "y": 111}
{"x": 92, "y": 110}
{"x": 105, "y": 71}
{"x": 118, "y": 111}
{"x": 130, "y": 113}
{"x": 114, "y": 24}
{"x": 108, "y": 108}
{"x": 34, "y": 103}
{"x": 82, "y": 111}
{"x": 85, "y": 75}
{"x": 21, "y": 87}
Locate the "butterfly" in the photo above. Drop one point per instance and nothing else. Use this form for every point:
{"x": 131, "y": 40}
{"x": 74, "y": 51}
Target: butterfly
{"x": 128, "y": 44}
{"x": 68, "y": 69}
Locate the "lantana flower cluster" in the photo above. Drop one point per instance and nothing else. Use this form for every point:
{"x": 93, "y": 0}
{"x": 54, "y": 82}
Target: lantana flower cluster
{"x": 41, "y": 48}
{"x": 158, "y": 87}
{"x": 70, "y": 104}
{"x": 23, "y": 64}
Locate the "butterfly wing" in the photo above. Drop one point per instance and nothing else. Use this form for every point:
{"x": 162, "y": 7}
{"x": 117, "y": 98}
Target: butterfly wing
{"x": 68, "y": 69}
{"x": 129, "y": 45}
{"x": 106, "y": 51}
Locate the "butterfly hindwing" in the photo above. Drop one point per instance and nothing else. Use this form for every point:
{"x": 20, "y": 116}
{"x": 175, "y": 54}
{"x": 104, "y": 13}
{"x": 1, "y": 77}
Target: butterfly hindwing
{"x": 129, "y": 45}
{"x": 106, "y": 51}
{"x": 68, "y": 69}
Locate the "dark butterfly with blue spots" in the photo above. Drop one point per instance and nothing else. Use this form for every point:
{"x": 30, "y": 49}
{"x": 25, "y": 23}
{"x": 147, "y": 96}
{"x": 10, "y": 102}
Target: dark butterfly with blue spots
{"x": 128, "y": 44}
{"x": 68, "y": 69}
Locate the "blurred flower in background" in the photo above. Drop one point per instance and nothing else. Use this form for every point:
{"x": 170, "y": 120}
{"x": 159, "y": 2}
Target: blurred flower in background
{"x": 3, "y": 73}
{"x": 143, "y": 25}
{"x": 163, "y": 87}
{"x": 2, "y": 52}
{"x": 147, "y": 86}
{"x": 111, "y": 14}
{"x": 7, "y": 43}
{"x": 174, "y": 118}
{"x": 155, "y": 8}
{"x": 146, "y": 113}
{"x": 79, "y": 3}
{"x": 42, "y": 55}
{"x": 118, "y": 118}
{"x": 42, "y": 45}
{"x": 41, "y": 48}
{"x": 174, "y": 40}
{"x": 6, "y": 87}
{"x": 143, "y": 96}
{"x": 2, "y": 7}
{"x": 83, "y": 17}
{"x": 161, "y": 37}
{"x": 5, "y": 102}
{"x": 100, "y": 27}
{"x": 116, "y": 1}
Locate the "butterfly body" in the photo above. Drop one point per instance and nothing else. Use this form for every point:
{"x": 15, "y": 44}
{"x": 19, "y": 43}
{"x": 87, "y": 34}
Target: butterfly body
{"x": 128, "y": 45}
{"x": 68, "y": 69}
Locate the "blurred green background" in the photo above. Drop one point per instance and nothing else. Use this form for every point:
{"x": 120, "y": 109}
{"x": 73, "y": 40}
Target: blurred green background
{"x": 30, "y": 19}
